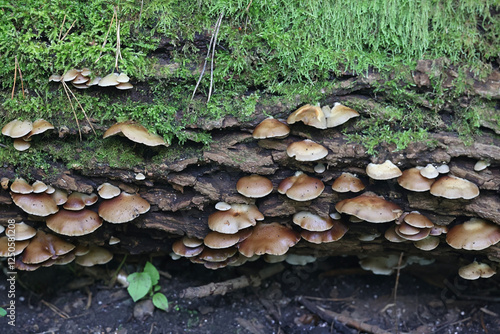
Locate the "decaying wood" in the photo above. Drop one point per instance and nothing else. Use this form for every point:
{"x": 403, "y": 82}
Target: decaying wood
{"x": 221, "y": 288}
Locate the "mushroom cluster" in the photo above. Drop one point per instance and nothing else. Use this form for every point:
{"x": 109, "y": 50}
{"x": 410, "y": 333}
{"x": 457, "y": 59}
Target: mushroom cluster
{"x": 22, "y": 131}
{"x": 82, "y": 79}
{"x": 136, "y": 133}
{"x": 68, "y": 216}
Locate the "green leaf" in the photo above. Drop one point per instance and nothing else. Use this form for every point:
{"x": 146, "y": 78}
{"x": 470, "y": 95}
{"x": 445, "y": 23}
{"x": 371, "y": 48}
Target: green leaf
{"x": 3, "y": 312}
{"x": 160, "y": 301}
{"x": 156, "y": 288}
{"x": 152, "y": 272}
{"x": 140, "y": 284}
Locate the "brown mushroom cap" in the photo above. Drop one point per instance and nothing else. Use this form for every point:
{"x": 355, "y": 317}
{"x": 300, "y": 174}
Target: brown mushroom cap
{"x": 370, "y": 207}
{"x": 40, "y": 126}
{"x": 309, "y": 115}
{"x": 476, "y": 270}
{"x": 411, "y": 179}
{"x": 70, "y": 75}
{"x": 136, "y": 133}
{"x": 301, "y": 187}
{"x": 109, "y": 80}
{"x": 273, "y": 238}
{"x": 191, "y": 241}
{"x": 17, "y": 128}
{"x": 474, "y": 234}
{"x": 348, "y": 182}
{"x": 306, "y": 150}
{"x": 418, "y": 220}
{"x": 339, "y": 114}
{"x": 21, "y": 145}
{"x": 45, "y": 246}
{"x": 123, "y": 208}
{"x": 311, "y": 222}
{"x": 390, "y": 234}
{"x": 216, "y": 240}
{"x": 74, "y": 223}
{"x": 427, "y": 244}
{"x": 240, "y": 216}
{"x": 271, "y": 128}
{"x": 384, "y": 171}
{"x": 21, "y": 186}
{"x": 217, "y": 255}
{"x": 254, "y": 186}
{"x": 335, "y": 233}
{"x": 39, "y": 187}
{"x": 453, "y": 187}
{"x": 35, "y": 204}
{"x": 422, "y": 233}
{"x": 481, "y": 165}
{"x": 96, "y": 255}
{"x": 180, "y": 249}
{"x": 77, "y": 201}
{"x": 19, "y": 246}
{"x": 59, "y": 196}
{"x": 429, "y": 172}
{"x": 24, "y": 231}
{"x": 124, "y": 86}
{"x": 55, "y": 78}
{"x": 108, "y": 191}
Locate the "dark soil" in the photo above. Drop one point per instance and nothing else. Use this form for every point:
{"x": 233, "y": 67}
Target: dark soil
{"x": 430, "y": 299}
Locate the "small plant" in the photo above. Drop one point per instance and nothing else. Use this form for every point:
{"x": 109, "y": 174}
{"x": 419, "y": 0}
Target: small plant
{"x": 146, "y": 283}
{"x": 3, "y": 312}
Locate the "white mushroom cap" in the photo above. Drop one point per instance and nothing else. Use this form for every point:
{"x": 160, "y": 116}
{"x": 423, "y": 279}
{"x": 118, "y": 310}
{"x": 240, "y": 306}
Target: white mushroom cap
{"x": 429, "y": 172}
{"x": 481, "y": 165}
{"x": 476, "y": 270}
{"x": 384, "y": 171}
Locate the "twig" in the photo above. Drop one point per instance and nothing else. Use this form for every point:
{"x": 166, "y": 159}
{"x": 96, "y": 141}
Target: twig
{"x": 152, "y": 327}
{"x": 328, "y": 299}
{"x": 118, "y": 52}
{"x": 107, "y": 33}
{"x": 140, "y": 13}
{"x": 67, "y": 32}
{"x": 222, "y": 288}
{"x": 83, "y": 110}
{"x": 15, "y": 77}
{"x": 89, "y": 299}
{"x": 62, "y": 25}
{"x": 66, "y": 88}
{"x": 217, "y": 27}
{"x": 20, "y": 76}
{"x": 331, "y": 316}
{"x": 396, "y": 291}
{"x": 56, "y": 310}
{"x": 451, "y": 324}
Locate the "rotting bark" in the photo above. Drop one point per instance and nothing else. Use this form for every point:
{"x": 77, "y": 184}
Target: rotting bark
{"x": 183, "y": 191}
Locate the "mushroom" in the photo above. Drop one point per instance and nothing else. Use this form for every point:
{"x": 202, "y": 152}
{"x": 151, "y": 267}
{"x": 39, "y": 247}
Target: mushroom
{"x": 411, "y": 179}
{"x": 338, "y": 230}
{"x": 222, "y": 206}
{"x": 429, "y": 172}
{"x": 347, "y": 182}
{"x": 70, "y": 75}
{"x": 427, "y": 244}
{"x": 21, "y": 186}
{"x": 39, "y": 187}
{"x": 476, "y": 270}
{"x": 124, "y": 86}
{"x": 384, "y": 171}
{"x": 216, "y": 240}
{"x": 273, "y": 238}
{"x": 17, "y": 128}
{"x": 271, "y": 128}
{"x": 21, "y": 145}
{"x": 35, "y": 204}
{"x": 77, "y": 201}
{"x": 311, "y": 222}
{"x": 108, "y": 191}
{"x": 191, "y": 241}
{"x": 39, "y": 126}
{"x": 240, "y": 216}
{"x": 6, "y": 247}
{"x": 474, "y": 234}
{"x": 381, "y": 265}
{"x": 109, "y": 80}
{"x": 45, "y": 246}
{"x": 135, "y": 132}
{"x": 453, "y": 187}
{"x": 23, "y": 231}
{"x": 339, "y": 115}
{"x": 370, "y": 207}
{"x": 123, "y": 208}
{"x": 309, "y": 115}
{"x": 74, "y": 223}
{"x": 180, "y": 249}
{"x": 306, "y": 150}
{"x": 481, "y": 165}
{"x": 301, "y": 187}
{"x": 96, "y": 255}
{"x": 254, "y": 186}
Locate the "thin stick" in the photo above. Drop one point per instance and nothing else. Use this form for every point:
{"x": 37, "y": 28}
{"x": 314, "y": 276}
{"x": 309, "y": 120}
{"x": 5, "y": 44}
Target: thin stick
{"x": 56, "y": 310}
{"x": 88, "y": 120}
{"x": 217, "y": 27}
{"x": 72, "y": 108}
{"x": 118, "y": 52}
{"x": 67, "y": 32}
{"x": 396, "y": 290}
{"x": 15, "y": 77}
{"x": 62, "y": 25}
{"x": 204, "y": 67}
{"x": 107, "y": 33}
{"x": 140, "y": 13}
{"x": 20, "y": 76}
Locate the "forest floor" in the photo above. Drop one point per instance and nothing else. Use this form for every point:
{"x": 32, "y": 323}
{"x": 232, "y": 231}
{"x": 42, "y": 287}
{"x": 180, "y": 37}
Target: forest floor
{"x": 299, "y": 299}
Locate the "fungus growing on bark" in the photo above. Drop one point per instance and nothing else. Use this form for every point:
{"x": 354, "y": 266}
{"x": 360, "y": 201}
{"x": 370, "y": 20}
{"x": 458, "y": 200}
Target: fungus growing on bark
{"x": 299, "y": 260}
{"x": 17, "y": 128}
{"x": 96, "y": 255}
{"x": 35, "y": 204}
{"x": 309, "y": 115}
{"x": 23, "y": 231}
{"x": 77, "y": 201}
{"x": 124, "y": 86}
{"x": 59, "y": 196}
{"x": 123, "y": 208}
{"x": 476, "y": 270}
{"x": 74, "y": 223}
{"x": 191, "y": 241}
{"x": 222, "y": 206}
{"x": 381, "y": 265}
{"x": 429, "y": 172}
{"x": 301, "y": 187}
{"x": 39, "y": 126}
{"x": 347, "y": 182}
{"x": 21, "y": 145}
{"x": 481, "y": 165}
{"x": 427, "y": 244}
{"x": 411, "y": 179}
{"x": 418, "y": 220}
{"x": 452, "y": 187}
{"x": 45, "y": 246}
{"x": 108, "y": 191}
{"x": 240, "y": 216}
{"x": 271, "y": 128}
{"x": 21, "y": 186}
{"x": 273, "y": 238}
{"x": 474, "y": 234}
{"x": 336, "y": 232}
{"x": 339, "y": 115}
{"x": 311, "y": 222}
{"x": 39, "y": 187}
{"x": 216, "y": 240}
{"x": 306, "y": 150}
{"x": 217, "y": 255}
{"x": 109, "y": 80}
{"x": 443, "y": 169}
{"x": 113, "y": 241}
{"x": 122, "y": 78}
{"x": 70, "y": 75}
{"x": 179, "y": 248}
{"x": 5, "y": 183}
{"x": 384, "y": 171}
{"x": 370, "y": 207}
{"x": 320, "y": 168}
{"x": 390, "y": 234}
{"x": 254, "y": 186}
{"x": 136, "y": 133}
{"x": 19, "y": 246}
